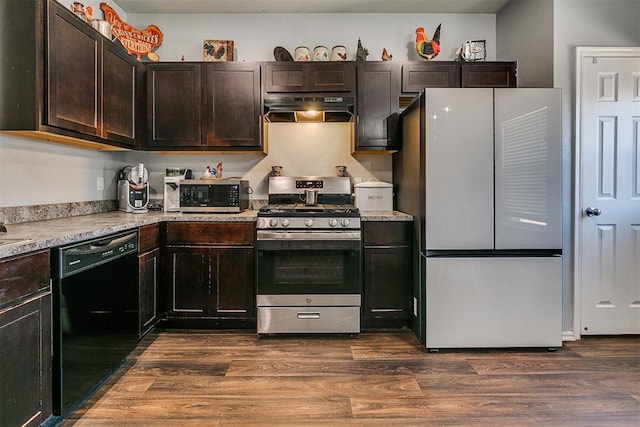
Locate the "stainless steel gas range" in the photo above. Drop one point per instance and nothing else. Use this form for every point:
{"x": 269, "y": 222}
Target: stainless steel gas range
{"x": 309, "y": 257}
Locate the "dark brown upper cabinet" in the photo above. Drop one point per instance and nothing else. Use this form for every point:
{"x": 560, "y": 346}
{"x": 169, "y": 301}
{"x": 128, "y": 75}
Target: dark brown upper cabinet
{"x": 63, "y": 81}
{"x": 290, "y": 77}
{"x": 376, "y": 107}
{"x": 233, "y": 106}
{"x": 419, "y": 75}
{"x": 174, "y": 106}
{"x": 489, "y": 74}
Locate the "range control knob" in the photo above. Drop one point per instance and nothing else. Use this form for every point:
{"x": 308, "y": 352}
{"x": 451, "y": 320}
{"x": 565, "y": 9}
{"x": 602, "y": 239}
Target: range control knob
{"x": 285, "y": 222}
{"x": 308, "y": 222}
{"x": 344, "y": 222}
{"x": 273, "y": 222}
{"x": 333, "y": 222}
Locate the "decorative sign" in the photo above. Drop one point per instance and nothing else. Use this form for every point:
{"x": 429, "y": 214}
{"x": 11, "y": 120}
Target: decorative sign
{"x": 217, "y": 50}
{"x": 473, "y": 50}
{"x": 138, "y": 42}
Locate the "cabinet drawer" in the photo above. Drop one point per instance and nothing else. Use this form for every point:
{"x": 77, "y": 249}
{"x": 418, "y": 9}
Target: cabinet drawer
{"x": 148, "y": 237}
{"x": 23, "y": 275}
{"x": 295, "y": 320}
{"x": 382, "y": 233}
{"x": 206, "y": 233}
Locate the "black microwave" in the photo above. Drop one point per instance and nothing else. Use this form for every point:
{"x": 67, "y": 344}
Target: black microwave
{"x": 214, "y": 195}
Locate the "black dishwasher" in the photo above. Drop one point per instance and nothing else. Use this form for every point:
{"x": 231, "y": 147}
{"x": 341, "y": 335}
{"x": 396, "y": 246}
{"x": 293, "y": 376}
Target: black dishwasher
{"x": 95, "y": 314}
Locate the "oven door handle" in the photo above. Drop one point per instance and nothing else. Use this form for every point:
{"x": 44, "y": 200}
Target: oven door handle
{"x": 308, "y": 316}
{"x": 307, "y": 235}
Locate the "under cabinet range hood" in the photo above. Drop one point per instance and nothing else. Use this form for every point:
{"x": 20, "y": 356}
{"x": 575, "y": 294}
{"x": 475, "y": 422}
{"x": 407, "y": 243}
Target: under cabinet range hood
{"x": 305, "y": 109}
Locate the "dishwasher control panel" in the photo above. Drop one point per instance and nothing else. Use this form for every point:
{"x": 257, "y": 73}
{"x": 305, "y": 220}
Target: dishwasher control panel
{"x": 81, "y": 256}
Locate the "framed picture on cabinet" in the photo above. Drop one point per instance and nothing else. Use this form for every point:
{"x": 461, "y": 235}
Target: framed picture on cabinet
{"x": 217, "y": 50}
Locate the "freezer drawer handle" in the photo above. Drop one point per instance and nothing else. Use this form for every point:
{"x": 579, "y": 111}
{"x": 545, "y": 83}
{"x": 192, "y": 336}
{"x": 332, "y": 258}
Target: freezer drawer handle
{"x": 591, "y": 211}
{"x": 308, "y": 315}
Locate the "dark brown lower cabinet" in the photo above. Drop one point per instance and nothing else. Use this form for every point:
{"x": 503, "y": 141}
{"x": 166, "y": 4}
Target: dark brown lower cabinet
{"x": 25, "y": 340}
{"x": 210, "y": 274}
{"x": 148, "y": 276}
{"x": 387, "y": 274}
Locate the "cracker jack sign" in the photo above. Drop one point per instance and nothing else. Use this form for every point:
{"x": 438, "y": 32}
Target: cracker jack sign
{"x": 137, "y": 42}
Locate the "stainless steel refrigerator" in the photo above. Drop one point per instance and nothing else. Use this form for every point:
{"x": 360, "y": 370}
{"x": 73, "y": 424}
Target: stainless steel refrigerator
{"x": 480, "y": 171}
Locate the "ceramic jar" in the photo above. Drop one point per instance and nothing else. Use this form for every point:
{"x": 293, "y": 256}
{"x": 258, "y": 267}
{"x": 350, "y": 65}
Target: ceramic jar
{"x": 302, "y": 54}
{"x": 320, "y": 53}
{"x": 339, "y": 53}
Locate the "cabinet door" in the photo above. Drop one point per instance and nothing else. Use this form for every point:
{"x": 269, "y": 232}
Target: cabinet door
{"x": 189, "y": 280}
{"x": 232, "y": 118}
{"x": 387, "y": 273}
{"x": 419, "y": 75}
{"x": 232, "y": 270}
{"x": 174, "y": 106}
{"x": 25, "y": 363}
{"x": 309, "y": 77}
{"x": 74, "y": 74}
{"x": 489, "y": 74}
{"x": 331, "y": 77}
{"x": 387, "y": 276}
{"x": 25, "y": 340}
{"x": 119, "y": 94}
{"x": 148, "y": 270}
{"x": 377, "y": 107}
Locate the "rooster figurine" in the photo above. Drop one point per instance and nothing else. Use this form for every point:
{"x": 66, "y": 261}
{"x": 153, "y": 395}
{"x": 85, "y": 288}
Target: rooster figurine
{"x": 428, "y": 49}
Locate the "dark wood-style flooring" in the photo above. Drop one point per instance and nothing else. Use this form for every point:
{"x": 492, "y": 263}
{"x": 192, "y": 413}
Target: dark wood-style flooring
{"x": 218, "y": 378}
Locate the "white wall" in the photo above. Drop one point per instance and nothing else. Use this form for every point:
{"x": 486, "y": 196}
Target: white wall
{"x": 33, "y": 173}
{"x": 583, "y": 23}
{"x": 524, "y": 32}
{"x": 255, "y": 37}
{"x": 302, "y": 149}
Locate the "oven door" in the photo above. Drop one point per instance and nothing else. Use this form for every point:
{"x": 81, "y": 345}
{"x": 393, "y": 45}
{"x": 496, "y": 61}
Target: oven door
{"x": 308, "y": 262}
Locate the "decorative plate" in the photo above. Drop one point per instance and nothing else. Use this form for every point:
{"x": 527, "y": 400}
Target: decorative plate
{"x": 282, "y": 54}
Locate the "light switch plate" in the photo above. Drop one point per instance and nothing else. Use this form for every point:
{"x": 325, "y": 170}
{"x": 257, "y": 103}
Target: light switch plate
{"x": 100, "y": 183}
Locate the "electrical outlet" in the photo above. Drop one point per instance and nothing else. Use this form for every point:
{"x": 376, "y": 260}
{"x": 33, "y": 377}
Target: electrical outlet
{"x": 100, "y": 183}
{"x": 415, "y": 307}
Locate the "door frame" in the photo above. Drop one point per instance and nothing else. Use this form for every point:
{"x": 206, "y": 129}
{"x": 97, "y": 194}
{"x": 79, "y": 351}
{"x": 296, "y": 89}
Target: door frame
{"x": 581, "y": 54}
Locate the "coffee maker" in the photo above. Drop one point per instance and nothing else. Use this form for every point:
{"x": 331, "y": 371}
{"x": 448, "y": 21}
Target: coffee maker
{"x": 172, "y": 180}
{"x": 133, "y": 189}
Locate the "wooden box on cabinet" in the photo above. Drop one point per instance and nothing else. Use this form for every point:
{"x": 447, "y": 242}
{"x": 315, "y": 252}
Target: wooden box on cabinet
{"x": 25, "y": 340}
{"x": 148, "y": 276}
{"x": 387, "y": 273}
{"x": 210, "y": 272}
{"x": 377, "y": 107}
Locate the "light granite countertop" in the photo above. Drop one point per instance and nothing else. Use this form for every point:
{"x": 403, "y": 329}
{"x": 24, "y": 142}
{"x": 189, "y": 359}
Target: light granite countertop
{"x": 47, "y": 234}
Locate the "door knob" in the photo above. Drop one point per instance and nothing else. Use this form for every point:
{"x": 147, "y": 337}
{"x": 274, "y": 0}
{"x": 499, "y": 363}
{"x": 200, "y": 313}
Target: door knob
{"x": 591, "y": 211}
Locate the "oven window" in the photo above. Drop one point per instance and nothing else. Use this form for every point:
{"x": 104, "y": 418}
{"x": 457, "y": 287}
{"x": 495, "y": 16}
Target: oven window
{"x": 316, "y": 268}
{"x": 309, "y": 272}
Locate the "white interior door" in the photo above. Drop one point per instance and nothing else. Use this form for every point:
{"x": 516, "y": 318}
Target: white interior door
{"x": 609, "y": 221}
